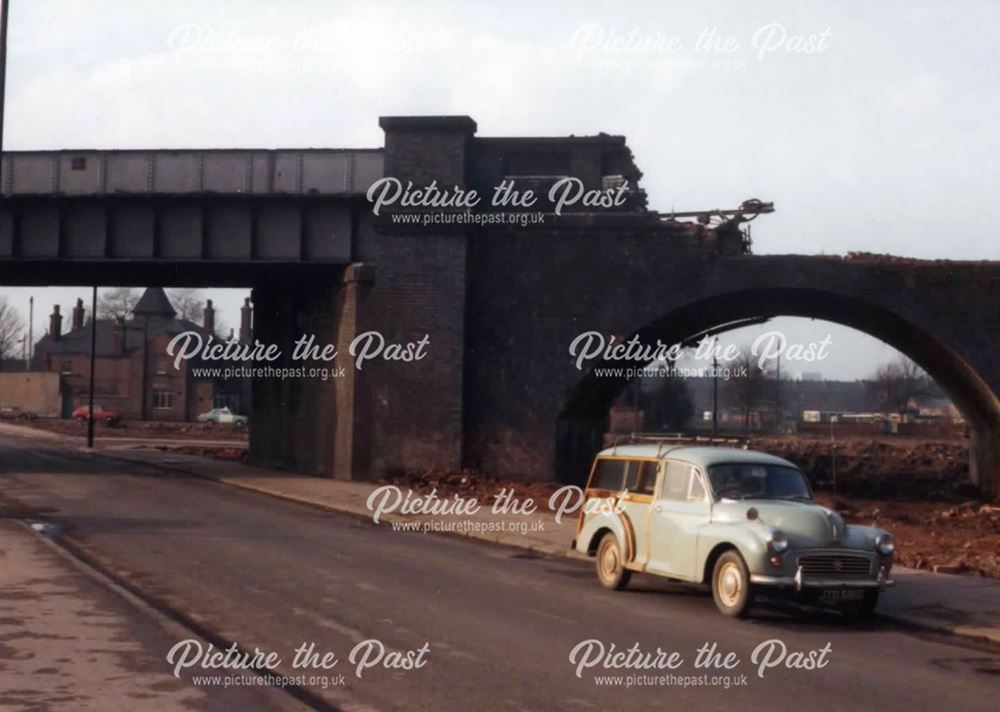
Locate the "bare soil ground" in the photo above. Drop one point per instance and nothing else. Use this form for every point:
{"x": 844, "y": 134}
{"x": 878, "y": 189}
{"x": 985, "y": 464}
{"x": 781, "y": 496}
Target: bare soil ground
{"x": 879, "y": 467}
{"x": 921, "y": 489}
{"x": 143, "y": 429}
{"x": 963, "y": 538}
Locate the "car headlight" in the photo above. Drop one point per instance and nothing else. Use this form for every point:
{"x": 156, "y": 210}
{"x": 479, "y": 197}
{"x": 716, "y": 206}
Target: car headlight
{"x": 778, "y": 542}
{"x": 884, "y": 544}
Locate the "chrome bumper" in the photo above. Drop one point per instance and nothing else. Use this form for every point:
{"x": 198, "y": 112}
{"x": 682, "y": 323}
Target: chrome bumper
{"x": 799, "y": 582}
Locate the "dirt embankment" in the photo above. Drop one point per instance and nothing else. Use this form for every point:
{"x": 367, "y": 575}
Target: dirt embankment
{"x": 867, "y": 467}
{"x": 142, "y": 429}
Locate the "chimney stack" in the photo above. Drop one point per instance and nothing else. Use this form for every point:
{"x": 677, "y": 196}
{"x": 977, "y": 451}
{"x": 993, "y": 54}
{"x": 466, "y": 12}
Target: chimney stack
{"x": 246, "y": 320}
{"x": 55, "y": 323}
{"x": 118, "y": 336}
{"x": 78, "y": 315}
{"x": 209, "y": 317}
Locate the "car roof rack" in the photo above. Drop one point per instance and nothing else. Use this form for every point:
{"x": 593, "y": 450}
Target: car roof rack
{"x": 678, "y": 440}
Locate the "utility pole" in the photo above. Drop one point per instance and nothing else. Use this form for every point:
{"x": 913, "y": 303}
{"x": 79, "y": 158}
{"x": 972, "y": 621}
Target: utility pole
{"x": 145, "y": 366}
{"x": 715, "y": 392}
{"x": 93, "y": 358}
{"x": 635, "y": 406}
{"x": 833, "y": 454}
{"x": 777, "y": 394}
{"x": 4, "y": 5}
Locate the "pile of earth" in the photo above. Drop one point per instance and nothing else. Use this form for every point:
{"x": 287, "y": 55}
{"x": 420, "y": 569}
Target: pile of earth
{"x": 956, "y": 539}
{"x": 143, "y": 429}
{"x": 879, "y": 468}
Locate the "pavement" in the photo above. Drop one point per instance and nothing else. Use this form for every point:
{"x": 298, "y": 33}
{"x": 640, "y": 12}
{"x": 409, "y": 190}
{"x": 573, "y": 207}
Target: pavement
{"x": 69, "y": 642}
{"x": 500, "y": 623}
{"x": 967, "y": 606}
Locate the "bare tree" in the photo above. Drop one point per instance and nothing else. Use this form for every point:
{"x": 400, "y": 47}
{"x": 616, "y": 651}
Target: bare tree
{"x": 897, "y": 383}
{"x": 749, "y": 387}
{"x": 188, "y": 302}
{"x": 117, "y": 303}
{"x": 11, "y": 329}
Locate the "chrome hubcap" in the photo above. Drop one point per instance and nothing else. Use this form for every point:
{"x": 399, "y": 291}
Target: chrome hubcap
{"x": 609, "y": 562}
{"x": 730, "y": 584}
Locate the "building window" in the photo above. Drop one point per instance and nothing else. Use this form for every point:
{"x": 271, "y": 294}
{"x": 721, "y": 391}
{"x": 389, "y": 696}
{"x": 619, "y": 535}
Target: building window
{"x": 160, "y": 364}
{"x": 66, "y": 366}
{"x": 225, "y": 400}
{"x": 163, "y": 399}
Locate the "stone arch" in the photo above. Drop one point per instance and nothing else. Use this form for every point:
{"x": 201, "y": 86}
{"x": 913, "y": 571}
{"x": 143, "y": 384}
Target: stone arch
{"x": 580, "y": 426}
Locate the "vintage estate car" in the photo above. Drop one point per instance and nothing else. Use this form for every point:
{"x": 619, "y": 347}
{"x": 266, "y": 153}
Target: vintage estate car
{"x": 222, "y": 415}
{"x": 738, "y": 520}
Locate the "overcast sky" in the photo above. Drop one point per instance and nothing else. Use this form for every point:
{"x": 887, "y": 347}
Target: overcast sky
{"x": 882, "y": 137}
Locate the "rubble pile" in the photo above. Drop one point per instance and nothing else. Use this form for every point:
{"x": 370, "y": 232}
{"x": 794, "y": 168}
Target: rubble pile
{"x": 143, "y": 429}
{"x": 868, "y": 467}
{"x": 237, "y": 453}
{"x": 472, "y": 483}
{"x": 954, "y": 539}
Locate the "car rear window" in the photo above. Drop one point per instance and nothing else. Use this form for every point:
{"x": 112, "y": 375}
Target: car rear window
{"x": 608, "y": 474}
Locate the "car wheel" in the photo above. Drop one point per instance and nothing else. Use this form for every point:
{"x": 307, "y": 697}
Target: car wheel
{"x": 611, "y": 571}
{"x": 731, "y": 586}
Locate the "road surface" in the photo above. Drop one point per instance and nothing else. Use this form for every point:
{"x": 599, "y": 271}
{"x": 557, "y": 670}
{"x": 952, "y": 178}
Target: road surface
{"x": 499, "y": 624}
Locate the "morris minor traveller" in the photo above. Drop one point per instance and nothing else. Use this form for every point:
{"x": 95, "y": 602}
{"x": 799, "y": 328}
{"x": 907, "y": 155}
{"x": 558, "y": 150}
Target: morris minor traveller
{"x": 737, "y": 520}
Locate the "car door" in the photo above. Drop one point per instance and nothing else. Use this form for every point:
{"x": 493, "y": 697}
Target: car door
{"x": 680, "y": 510}
{"x": 627, "y": 484}
{"x": 636, "y": 504}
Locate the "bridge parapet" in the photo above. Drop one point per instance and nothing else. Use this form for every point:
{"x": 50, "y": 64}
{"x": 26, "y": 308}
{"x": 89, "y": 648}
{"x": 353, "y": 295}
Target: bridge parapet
{"x": 191, "y": 207}
{"x": 313, "y": 172}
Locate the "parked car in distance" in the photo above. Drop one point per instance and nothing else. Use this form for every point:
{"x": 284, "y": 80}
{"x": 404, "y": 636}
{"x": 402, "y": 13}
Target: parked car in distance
{"x": 222, "y": 415}
{"x": 741, "y": 521}
{"x": 111, "y": 417}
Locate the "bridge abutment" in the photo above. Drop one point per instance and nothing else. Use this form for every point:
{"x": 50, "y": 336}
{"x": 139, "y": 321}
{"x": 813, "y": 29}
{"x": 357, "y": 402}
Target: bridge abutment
{"x": 984, "y": 459}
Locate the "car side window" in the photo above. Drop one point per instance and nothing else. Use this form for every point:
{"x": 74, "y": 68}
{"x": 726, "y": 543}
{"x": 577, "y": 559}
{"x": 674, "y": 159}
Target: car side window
{"x": 646, "y": 482}
{"x": 640, "y": 476}
{"x": 697, "y": 491}
{"x": 632, "y": 472}
{"x": 675, "y": 481}
{"x": 609, "y": 475}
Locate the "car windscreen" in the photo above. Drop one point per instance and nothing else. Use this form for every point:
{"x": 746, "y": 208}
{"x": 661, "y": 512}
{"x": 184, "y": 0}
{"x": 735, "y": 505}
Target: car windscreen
{"x": 745, "y": 480}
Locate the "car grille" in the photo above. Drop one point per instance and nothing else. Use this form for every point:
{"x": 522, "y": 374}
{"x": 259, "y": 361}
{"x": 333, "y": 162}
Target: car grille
{"x": 835, "y": 566}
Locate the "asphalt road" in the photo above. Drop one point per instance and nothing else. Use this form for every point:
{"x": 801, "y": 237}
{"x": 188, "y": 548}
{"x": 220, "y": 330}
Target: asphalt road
{"x": 499, "y": 623}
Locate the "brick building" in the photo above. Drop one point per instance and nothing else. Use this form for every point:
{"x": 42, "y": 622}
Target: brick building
{"x": 132, "y": 372}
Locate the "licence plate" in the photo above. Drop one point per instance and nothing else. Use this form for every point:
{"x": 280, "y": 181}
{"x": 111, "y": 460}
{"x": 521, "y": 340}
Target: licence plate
{"x": 839, "y": 595}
